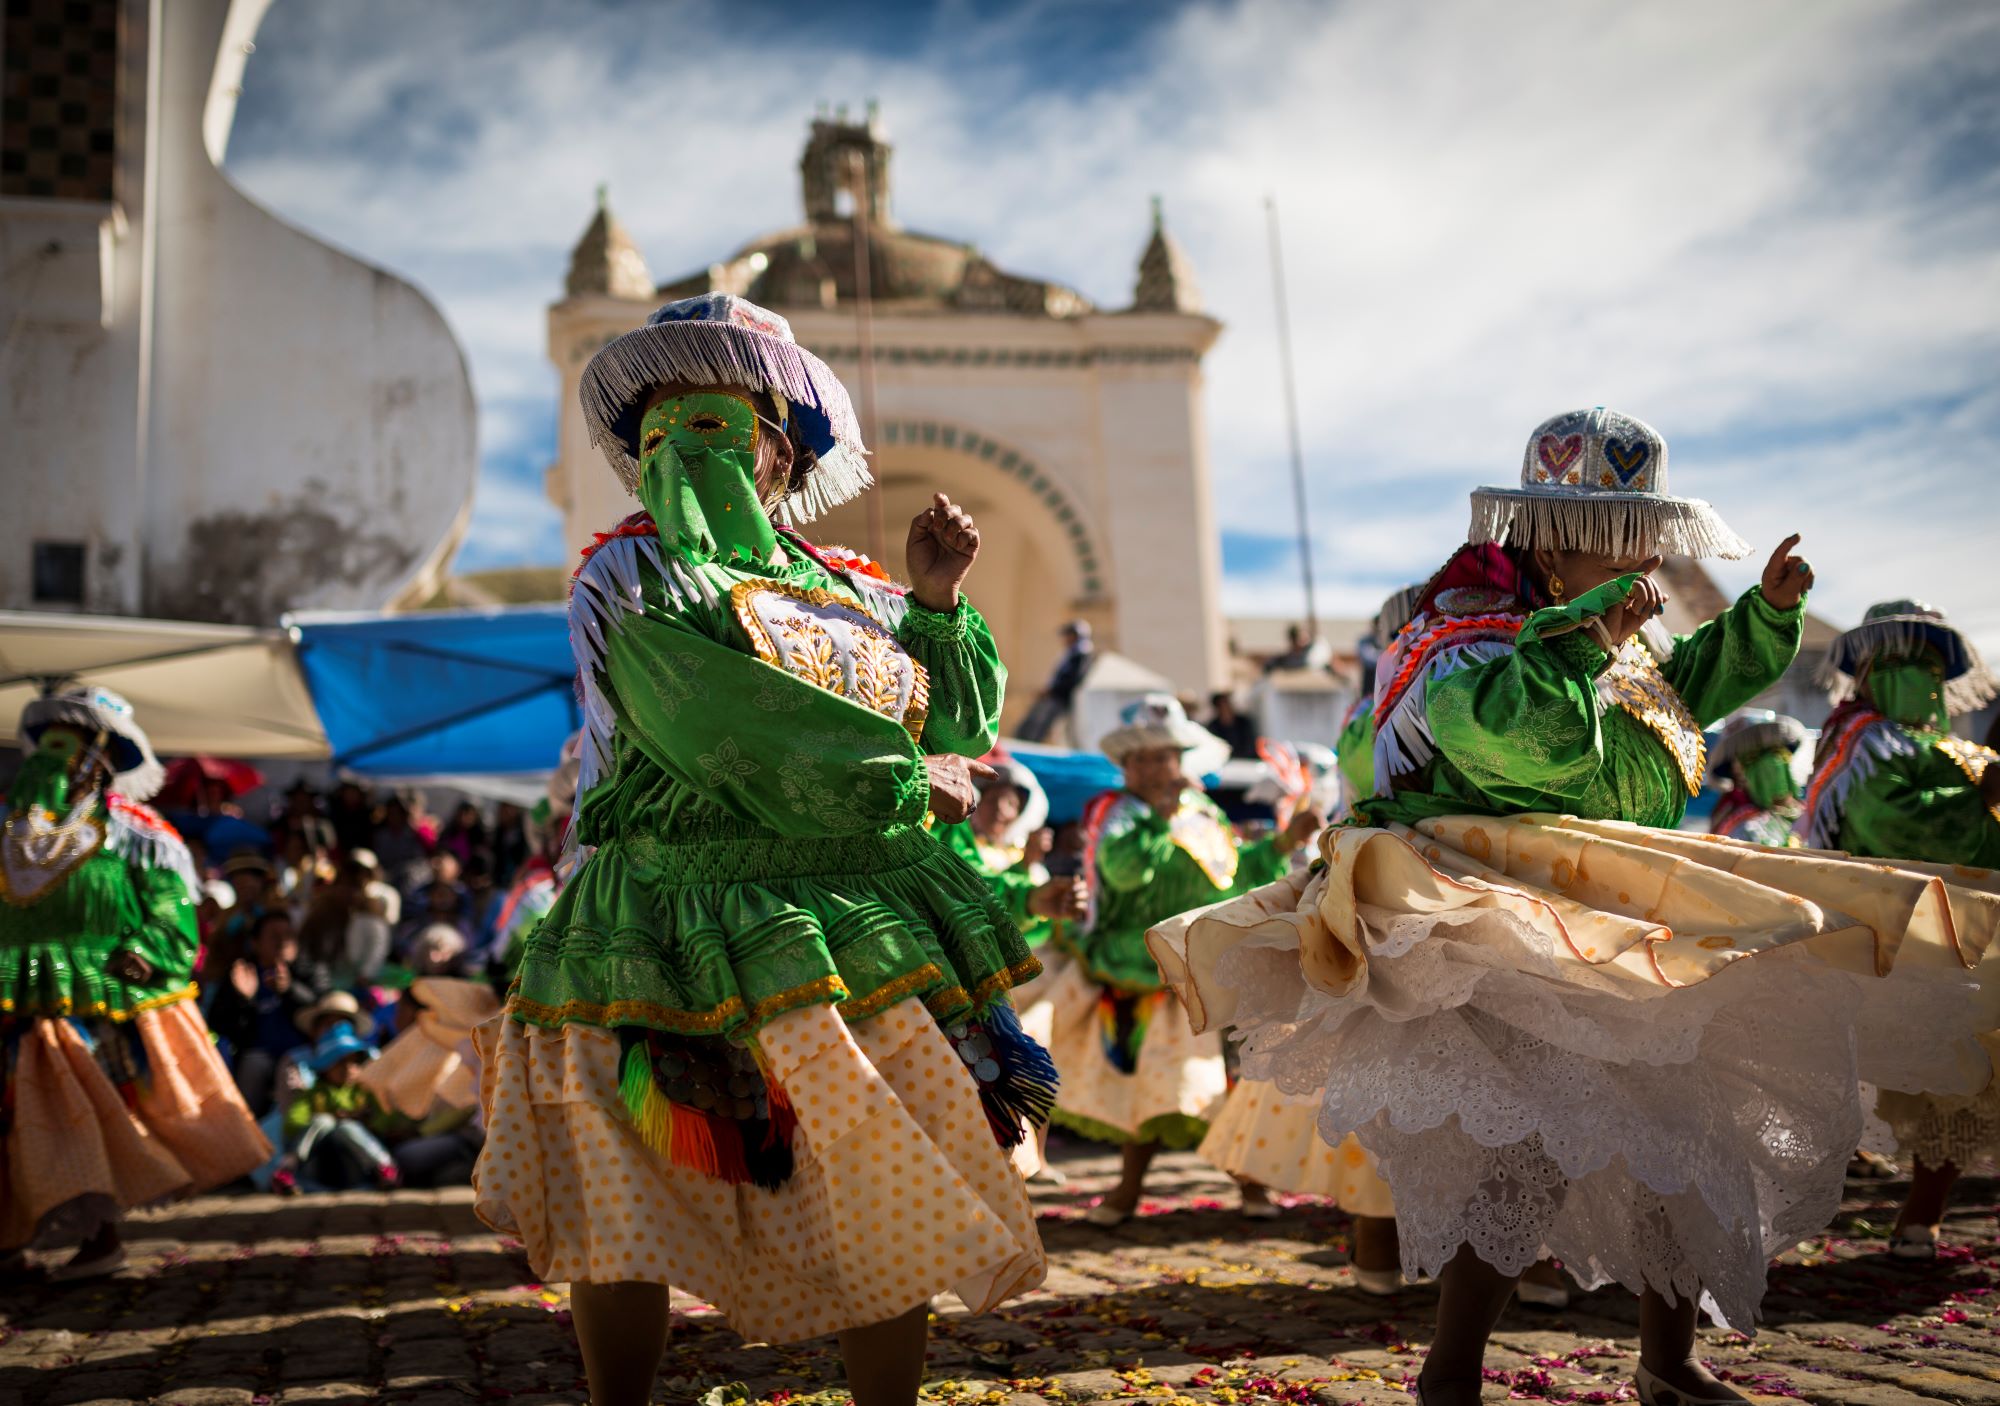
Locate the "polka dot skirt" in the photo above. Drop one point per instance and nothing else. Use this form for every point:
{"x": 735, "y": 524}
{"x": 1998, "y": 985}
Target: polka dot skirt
{"x": 899, "y": 1191}
{"x": 1272, "y": 1139}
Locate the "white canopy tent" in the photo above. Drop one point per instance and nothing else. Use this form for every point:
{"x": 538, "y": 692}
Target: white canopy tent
{"x": 226, "y": 690}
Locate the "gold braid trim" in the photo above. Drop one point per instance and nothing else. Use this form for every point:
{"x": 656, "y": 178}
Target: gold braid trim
{"x": 826, "y": 989}
{"x": 887, "y": 994}
{"x": 67, "y": 1009}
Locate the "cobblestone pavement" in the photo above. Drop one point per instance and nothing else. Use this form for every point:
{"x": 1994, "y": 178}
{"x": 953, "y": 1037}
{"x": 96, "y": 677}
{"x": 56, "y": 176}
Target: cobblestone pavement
{"x": 251, "y": 1301}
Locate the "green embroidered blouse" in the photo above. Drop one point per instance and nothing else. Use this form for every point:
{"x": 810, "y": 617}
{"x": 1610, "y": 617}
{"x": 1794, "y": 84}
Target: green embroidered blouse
{"x": 1529, "y": 731}
{"x": 759, "y": 838}
{"x": 1012, "y": 884}
{"x": 1145, "y": 875}
{"x": 1924, "y": 805}
{"x": 54, "y": 947}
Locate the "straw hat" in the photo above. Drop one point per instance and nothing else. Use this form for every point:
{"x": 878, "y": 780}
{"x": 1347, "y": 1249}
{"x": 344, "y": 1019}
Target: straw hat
{"x": 338, "y": 1003}
{"x": 1596, "y": 481}
{"x": 137, "y": 773}
{"x": 721, "y": 339}
{"x": 1158, "y": 720}
{"x": 1903, "y": 627}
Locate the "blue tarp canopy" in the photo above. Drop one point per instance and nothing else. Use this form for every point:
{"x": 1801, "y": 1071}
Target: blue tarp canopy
{"x": 439, "y": 692}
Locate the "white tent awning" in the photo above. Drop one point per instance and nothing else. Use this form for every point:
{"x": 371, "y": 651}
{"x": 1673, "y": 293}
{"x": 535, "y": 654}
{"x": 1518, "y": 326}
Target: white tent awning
{"x": 225, "y": 690}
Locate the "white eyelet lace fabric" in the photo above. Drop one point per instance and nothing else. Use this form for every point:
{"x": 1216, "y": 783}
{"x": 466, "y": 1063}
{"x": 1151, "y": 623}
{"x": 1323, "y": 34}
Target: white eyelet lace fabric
{"x": 1528, "y": 1104}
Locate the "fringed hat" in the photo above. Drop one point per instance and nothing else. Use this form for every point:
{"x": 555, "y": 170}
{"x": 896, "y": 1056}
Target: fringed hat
{"x": 1158, "y": 720}
{"x": 1596, "y": 481}
{"x": 136, "y": 772}
{"x": 721, "y": 339}
{"x": 1753, "y": 730}
{"x": 1903, "y": 627}
{"x": 1396, "y": 612}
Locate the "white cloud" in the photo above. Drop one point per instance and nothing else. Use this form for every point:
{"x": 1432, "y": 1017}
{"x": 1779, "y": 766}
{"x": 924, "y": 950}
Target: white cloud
{"x": 1733, "y": 220}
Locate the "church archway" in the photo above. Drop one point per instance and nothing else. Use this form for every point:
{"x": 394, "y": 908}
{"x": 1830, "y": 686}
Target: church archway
{"x": 1040, "y": 564}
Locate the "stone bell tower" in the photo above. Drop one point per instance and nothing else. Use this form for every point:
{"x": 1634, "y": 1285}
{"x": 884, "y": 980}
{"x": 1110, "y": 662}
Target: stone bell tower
{"x": 828, "y": 168}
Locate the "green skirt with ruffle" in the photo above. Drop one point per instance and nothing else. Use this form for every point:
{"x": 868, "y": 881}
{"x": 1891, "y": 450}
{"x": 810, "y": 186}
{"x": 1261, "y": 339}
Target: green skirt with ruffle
{"x": 717, "y": 937}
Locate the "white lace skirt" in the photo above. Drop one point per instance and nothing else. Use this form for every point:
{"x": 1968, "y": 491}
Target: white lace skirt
{"x": 1638, "y": 1051}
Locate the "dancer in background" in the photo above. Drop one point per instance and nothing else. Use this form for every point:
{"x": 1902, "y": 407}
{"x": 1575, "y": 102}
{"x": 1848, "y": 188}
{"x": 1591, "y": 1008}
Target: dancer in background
{"x": 1527, "y": 993}
{"x": 1006, "y": 838}
{"x": 761, "y": 1046}
{"x": 114, "y": 1096}
{"x": 1751, "y": 765}
{"x": 1133, "y": 1071}
{"x": 1890, "y": 781}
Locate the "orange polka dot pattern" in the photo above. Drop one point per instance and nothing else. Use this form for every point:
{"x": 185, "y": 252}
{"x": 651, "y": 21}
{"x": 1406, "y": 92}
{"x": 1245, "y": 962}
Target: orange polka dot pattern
{"x": 73, "y": 1135}
{"x": 1269, "y": 1138}
{"x": 1178, "y": 1071}
{"x": 899, "y": 1191}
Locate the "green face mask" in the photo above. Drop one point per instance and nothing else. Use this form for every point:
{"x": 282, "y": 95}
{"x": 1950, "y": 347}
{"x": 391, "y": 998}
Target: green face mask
{"x": 1767, "y": 777}
{"x": 1911, "y": 691}
{"x": 44, "y": 779}
{"x": 698, "y": 475}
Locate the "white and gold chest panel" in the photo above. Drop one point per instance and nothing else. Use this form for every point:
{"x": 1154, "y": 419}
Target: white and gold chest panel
{"x": 827, "y": 640}
{"x": 1634, "y": 682}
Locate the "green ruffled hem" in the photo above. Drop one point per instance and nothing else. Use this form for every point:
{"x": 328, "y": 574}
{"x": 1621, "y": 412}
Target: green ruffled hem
{"x": 1177, "y": 1132}
{"x": 47, "y": 979}
{"x": 858, "y": 924}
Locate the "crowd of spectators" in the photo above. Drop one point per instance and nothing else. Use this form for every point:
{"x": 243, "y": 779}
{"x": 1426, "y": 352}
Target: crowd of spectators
{"x": 315, "y": 918}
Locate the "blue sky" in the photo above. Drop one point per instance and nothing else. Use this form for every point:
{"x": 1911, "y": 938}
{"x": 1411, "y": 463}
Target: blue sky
{"x": 1771, "y": 230}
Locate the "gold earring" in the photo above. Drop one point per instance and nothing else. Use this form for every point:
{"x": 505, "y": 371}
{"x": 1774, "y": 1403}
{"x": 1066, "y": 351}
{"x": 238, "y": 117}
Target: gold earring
{"x": 1556, "y": 588}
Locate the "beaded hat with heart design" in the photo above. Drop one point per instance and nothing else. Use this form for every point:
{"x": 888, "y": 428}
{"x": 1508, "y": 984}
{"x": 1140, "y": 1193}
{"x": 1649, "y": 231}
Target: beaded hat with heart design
{"x": 719, "y": 339}
{"x": 1596, "y": 481}
{"x": 1902, "y": 627}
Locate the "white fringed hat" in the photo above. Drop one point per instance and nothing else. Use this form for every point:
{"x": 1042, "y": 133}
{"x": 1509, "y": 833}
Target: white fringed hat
{"x": 1158, "y": 720}
{"x": 1903, "y": 627}
{"x": 1034, "y": 800}
{"x": 1596, "y": 481}
{"x": 1396, "y": 612}
{"x": 721, "y": 339}
{"x": 137, "y": 773}
{"x": 1753, "y": 730}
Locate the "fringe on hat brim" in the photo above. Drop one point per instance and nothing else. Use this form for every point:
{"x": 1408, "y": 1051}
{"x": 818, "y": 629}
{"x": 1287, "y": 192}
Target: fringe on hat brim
{"x": 1971, "y": 687}
{"x": 1605, "y": 524}
{"x": 715, "y": 353}
{"x": 1203, "y": 750}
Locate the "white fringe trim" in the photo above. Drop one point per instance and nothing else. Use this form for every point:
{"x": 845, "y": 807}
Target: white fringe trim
{"x": 1406, "y": 743}
{"x": 140, "y": 844}
{"x": 714, "y": 353}
{"x": 1819, "y": 827}
{"x": 1968, "y": 693}
{"x": 1605, "y": 524}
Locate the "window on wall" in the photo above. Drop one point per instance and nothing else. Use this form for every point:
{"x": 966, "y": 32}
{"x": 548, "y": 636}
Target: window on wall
{"x": 59, "y": 573}
{"x": 58, "y": 97}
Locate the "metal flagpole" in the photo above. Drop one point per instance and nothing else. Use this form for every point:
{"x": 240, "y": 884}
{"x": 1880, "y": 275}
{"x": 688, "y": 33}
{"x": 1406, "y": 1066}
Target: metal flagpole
{"x": 1292, "y": 417}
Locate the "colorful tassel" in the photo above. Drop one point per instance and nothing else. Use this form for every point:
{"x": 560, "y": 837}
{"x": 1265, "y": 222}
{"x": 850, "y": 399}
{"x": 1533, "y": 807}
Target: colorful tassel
{"x": 1123, "y": 1018}
{"x": 719, "y": 1141}
{"x": 1017, "y": 1080}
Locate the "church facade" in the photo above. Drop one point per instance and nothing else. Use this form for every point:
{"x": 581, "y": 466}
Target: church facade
{"x": 1072, "y": 432}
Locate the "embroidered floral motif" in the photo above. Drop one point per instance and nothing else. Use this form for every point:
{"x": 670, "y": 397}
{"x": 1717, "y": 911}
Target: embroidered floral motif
{"x": 673, "y": 677}
{"x": 1634, "y": 683}
{"x": 726, "y": 765}
{"x": 773, "y": 698}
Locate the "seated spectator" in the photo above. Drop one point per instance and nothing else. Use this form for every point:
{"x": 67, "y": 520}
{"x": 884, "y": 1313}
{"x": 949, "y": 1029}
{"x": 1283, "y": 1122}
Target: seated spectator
{"x": 1238, "y": 729}
{"x": 334, "y": 1130}
{"x": 511, "y": 846}
{"x": 483, "y": 901}
{"x": 439, "y": 950}
{"x": 440, "y": 903}
{"x": 257, "y": 1011}
{"x": 352, "y": 816}
{"x": 398, "y": 845}
{"x": 383, "y": 898}
{"x": 344, "y": 942}
{"x": 253, "y": 878}
{"x": 465, "y": 834}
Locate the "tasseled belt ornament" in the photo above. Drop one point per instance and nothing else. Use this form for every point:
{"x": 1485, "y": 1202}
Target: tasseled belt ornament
{"x": 715, "y": 1107}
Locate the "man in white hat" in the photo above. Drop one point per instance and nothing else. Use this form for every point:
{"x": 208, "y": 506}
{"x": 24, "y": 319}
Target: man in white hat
{"x": 97, "y": 945}
{"x": 1133, "y": 1071}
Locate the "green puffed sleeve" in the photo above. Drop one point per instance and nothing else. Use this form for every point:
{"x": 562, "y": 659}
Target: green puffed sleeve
{"x": 1131, "y": 852}
{"x": 1354, "y": 754}
{"x": 166, "y": 935}
{"x": 1011, "y": 886}
{"x": 968, "y": 681}
{"x": 759, "y": 742}
{"x": 1731, "y": 659}
{"x": 1258, "y": 863}
{"x": 1921, "y": 807}
{"x": 1526, "y": 725}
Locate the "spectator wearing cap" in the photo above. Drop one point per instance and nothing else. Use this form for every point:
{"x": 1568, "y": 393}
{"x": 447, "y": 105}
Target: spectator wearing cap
{"x": 335, "y": 1129}
{"x": 381, "y": 896}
